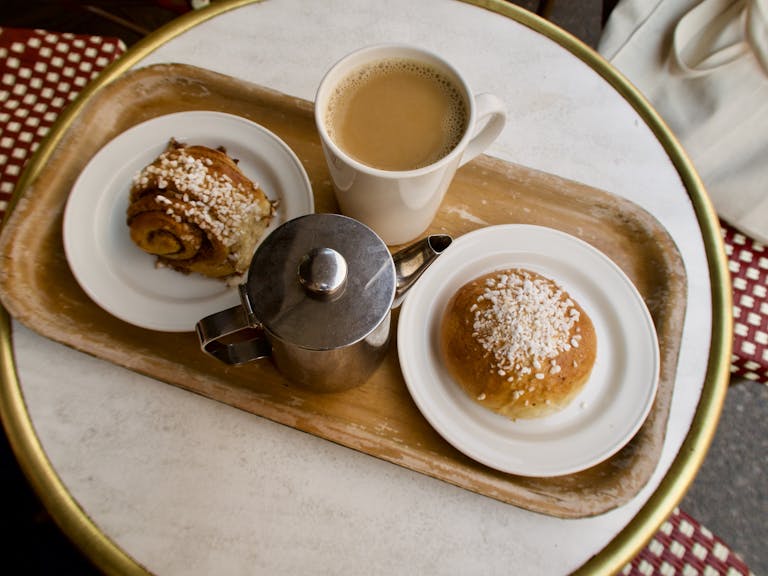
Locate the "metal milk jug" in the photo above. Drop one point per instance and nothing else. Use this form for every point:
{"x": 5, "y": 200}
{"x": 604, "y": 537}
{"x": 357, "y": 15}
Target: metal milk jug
{"x": 318, "y": 301}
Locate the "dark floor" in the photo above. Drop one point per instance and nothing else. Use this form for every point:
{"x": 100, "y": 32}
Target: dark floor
{"x": 729, "y": 495}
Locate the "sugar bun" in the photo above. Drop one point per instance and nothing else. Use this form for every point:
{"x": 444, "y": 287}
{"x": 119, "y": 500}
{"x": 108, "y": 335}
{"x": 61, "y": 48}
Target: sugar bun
{"x": 517, "y": 343}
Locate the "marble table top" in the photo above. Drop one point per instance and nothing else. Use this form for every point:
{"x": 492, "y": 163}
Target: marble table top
{"x": 186, "y": 485}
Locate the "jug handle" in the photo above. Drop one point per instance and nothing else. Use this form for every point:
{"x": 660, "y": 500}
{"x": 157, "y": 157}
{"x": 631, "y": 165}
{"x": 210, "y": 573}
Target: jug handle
{"x": 249, "y": 344}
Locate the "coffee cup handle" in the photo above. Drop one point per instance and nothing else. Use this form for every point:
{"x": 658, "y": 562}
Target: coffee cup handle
{"x": 217, "y": 335}
{"x": 491, "y": 116}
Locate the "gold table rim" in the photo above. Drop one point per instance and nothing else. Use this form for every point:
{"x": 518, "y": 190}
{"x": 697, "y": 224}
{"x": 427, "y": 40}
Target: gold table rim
{"x": 110, "y": 558}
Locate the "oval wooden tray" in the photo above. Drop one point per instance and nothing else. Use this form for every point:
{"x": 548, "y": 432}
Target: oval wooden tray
{"x": 379, "y": 418}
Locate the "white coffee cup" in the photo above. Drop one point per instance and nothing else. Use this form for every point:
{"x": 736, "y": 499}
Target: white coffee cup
{"x": 399, "y": 205}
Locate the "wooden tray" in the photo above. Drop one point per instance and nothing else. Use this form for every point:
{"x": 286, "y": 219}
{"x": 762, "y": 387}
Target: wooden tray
{"x": 379, "y": 418}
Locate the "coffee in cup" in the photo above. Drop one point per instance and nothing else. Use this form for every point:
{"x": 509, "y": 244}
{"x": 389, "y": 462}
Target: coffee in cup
{"x": 396, "y": 114}
{"x": 395, "y": 122}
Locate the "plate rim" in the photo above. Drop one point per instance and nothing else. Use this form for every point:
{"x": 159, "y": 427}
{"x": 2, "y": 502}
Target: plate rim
{"x": 419, "y": 391}
{"x": 73, "y": 247}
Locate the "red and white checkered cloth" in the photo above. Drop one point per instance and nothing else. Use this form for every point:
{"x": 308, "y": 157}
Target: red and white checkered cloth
{"x": 748, "y": 263}
{"x": 41, "y": 72}
{"x": 684, "y": 547}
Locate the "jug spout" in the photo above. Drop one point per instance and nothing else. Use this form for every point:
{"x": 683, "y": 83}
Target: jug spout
{"x": 413, "y": 260}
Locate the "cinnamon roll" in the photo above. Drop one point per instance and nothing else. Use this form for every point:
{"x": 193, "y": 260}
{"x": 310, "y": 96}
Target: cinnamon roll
{"x": 195, "y": 210}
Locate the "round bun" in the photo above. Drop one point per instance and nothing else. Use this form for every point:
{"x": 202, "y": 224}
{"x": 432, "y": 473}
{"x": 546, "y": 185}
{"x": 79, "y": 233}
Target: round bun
{"x": 517, "y": 343}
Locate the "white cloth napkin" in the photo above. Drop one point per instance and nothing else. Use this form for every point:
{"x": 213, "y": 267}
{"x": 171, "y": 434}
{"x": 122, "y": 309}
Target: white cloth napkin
{"x": 704, "y": 67}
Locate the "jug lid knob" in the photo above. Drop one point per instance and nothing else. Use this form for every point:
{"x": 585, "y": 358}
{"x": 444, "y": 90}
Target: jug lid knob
{"x": 323, "y": 272}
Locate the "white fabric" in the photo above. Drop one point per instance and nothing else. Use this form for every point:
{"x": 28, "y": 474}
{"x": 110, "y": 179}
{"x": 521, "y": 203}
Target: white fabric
{"x": 704, "y": 67}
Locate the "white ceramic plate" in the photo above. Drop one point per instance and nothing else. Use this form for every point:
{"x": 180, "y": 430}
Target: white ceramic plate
{"x": 603, "y": 417}
{"x": 119, "y": 276}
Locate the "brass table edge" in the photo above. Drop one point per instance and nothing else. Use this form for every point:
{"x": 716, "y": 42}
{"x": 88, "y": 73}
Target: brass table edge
{"x": 110, "y": 558}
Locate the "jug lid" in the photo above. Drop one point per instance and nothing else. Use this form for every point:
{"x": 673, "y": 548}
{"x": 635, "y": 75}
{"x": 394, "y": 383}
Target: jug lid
{"x": 320, "y": 281}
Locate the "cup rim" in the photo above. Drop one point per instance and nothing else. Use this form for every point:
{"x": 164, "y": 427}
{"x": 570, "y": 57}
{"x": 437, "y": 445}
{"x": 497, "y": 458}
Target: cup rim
{"x": 405, "y": 50}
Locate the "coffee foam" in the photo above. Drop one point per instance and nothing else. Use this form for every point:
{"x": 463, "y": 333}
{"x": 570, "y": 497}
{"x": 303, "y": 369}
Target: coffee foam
{"x": 454, "y": 125}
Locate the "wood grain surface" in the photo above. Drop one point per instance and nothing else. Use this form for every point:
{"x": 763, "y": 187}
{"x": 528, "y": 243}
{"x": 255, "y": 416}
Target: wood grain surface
{"x": 378, "y": 418}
